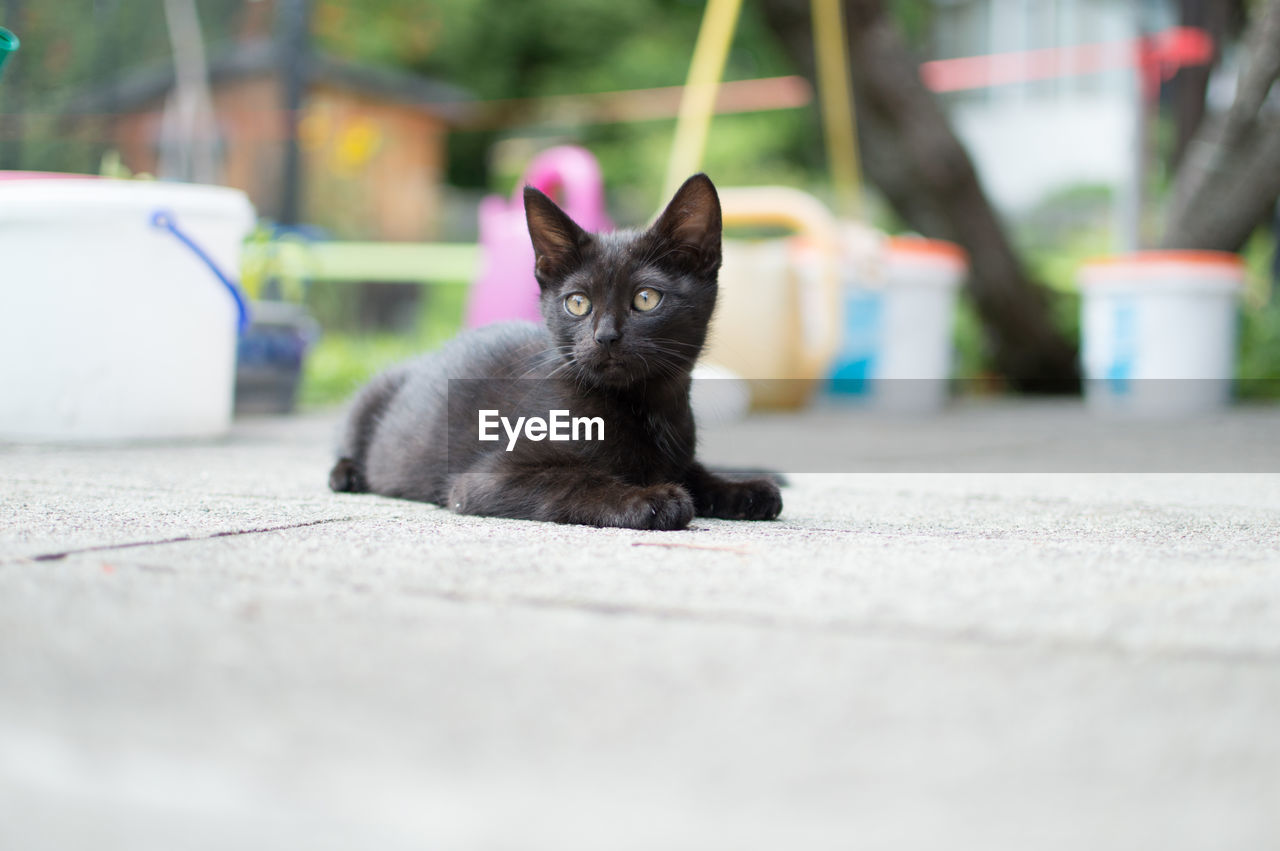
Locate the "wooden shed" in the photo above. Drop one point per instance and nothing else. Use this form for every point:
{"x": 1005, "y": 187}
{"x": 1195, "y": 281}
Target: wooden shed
{"x": 372, "y": 140}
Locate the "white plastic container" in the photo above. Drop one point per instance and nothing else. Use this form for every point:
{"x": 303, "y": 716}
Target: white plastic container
{"x": 896, "y": 352}
{"x": 112, "y": 327}
{"x": 1158, "y": 332}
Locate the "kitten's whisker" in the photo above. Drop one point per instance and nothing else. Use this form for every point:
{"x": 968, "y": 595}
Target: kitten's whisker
{"x": 558, "y": 352}
{"x": 666, "y": 342}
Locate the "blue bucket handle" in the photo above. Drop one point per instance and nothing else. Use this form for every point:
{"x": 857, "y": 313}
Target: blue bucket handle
{"x": 164, "y": 220}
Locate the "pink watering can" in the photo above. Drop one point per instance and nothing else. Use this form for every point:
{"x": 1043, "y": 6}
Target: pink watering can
{"x": 506, "y": 288}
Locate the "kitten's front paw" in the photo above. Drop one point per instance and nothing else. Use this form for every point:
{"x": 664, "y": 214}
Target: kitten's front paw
{"x": 659, "y": 507}
{"x": 754, "y": 499}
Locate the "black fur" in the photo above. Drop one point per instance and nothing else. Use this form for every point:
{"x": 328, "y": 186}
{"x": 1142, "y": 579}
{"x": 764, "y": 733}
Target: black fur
{"x": 412, "y": 433}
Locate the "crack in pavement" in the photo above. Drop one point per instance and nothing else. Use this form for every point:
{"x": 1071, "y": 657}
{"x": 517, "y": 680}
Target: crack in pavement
{"x": 57, "y": 556}
{"x": 890, "y": 630}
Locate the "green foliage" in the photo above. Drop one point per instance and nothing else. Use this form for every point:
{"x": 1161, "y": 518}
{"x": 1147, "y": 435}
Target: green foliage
{"x": 970, "y": 343}
{"x": 342, "y": 361}
{"x": 69, "y": 46}
{"x": 500, "y": 50}
{"x": 1258, "y": 369}
{"x": 915, "y": 17}
{"x": 495, "y": 49}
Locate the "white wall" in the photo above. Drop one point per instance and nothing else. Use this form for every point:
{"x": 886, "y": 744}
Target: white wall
{"x": 1028, "y": 140}
{"x": 1026, "y": 150}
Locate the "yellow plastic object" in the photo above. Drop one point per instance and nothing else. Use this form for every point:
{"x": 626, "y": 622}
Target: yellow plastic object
{"x": 698, "y": 102}
{"x": 697, "y": 105}
{"x": 836, "y": 92}
{"x": 777, "y": 320}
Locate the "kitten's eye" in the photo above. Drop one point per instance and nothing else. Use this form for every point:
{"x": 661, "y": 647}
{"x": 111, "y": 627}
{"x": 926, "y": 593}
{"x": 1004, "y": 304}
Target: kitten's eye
{"x": 646, "y": 299}
{"x": 577, "y": 304}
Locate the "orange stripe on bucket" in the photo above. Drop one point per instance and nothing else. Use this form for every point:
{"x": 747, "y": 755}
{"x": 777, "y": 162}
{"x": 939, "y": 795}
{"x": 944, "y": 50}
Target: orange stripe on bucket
{"x": 1212, "y": 269}
{"x": 1223, "y": 259}
{"x": 922, "y": 247}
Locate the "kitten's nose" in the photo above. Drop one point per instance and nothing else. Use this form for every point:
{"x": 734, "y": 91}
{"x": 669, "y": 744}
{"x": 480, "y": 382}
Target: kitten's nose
{"x": 607, "y": 334}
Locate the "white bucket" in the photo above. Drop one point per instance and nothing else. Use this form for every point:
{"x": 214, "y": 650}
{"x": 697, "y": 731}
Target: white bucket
{"x": 1158, "y": 331}
{"x": 896, "y": 352}
{"x": 113, "y": 328}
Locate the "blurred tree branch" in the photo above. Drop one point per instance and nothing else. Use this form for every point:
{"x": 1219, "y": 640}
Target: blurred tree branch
{"x": 1229, "y": 180}
{"x": 912, "y": 155}
{"x": 1223, "y": 20}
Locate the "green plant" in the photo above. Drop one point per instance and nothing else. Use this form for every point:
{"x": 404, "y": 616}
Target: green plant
{"x": 342, "y": 361}
{"x": 1258, "y": 366}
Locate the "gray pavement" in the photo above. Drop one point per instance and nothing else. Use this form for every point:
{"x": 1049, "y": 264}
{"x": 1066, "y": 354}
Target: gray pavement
{"x": 202, "y": 648}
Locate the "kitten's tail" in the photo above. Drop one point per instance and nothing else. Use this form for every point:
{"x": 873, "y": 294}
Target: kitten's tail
{"x": 345, "y": 477}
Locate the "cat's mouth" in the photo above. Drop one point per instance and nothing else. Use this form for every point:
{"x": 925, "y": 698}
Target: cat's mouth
{"x": 614, "y": 368}
{"x": 610, "y": 369}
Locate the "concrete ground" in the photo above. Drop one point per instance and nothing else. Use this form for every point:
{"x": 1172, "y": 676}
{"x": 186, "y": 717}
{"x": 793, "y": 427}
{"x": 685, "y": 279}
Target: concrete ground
{"x": 202, "y": 648}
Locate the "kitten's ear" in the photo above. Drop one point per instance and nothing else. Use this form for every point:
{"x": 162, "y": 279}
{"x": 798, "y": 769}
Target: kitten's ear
{"x": 557, "y": 239}
{"x": 692, "y": 223}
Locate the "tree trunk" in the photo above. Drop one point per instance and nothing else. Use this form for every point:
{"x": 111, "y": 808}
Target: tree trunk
{"x": 1230, "y": 178}
{"x": 1222, "y": 19}
{"x": 911, "y": 154}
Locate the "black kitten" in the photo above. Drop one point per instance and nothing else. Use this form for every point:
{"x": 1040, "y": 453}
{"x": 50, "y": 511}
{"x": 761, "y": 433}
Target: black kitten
{"x": 626, "y": 317}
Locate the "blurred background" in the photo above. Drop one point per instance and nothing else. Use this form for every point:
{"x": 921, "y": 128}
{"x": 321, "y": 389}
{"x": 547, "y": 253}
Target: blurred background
{"x": 367, "y": 123}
